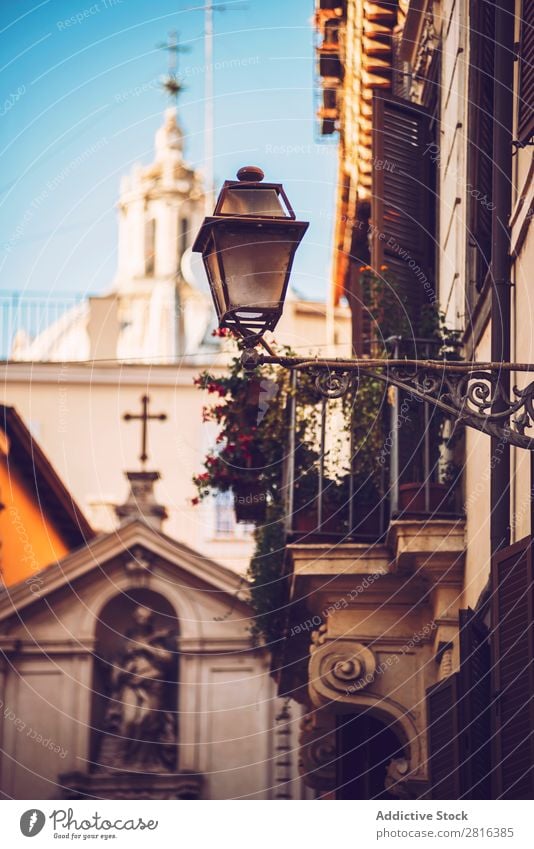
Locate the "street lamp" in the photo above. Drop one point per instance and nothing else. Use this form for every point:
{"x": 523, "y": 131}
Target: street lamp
{"x": 248, "y": 246}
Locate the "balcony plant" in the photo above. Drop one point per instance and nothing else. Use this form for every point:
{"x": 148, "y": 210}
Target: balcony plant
{"x": 252, "y": 419}
{"x": 401, "y": 329}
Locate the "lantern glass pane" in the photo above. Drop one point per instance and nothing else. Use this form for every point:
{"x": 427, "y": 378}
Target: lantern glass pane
{"x": 213, "y": 272}
{"x": 255, "y": 263}
{"x": 239, "y": 201}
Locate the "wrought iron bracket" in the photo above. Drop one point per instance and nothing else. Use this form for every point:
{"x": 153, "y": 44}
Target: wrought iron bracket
{"x": 471, "y": 394}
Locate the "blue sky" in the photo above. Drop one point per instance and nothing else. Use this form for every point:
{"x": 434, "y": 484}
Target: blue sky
{"x": 88, "y": 88}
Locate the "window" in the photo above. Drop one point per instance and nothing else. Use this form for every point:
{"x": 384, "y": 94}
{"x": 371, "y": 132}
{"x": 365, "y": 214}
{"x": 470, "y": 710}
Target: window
{"x": 480, "y": 144}
{"x": 182, "y": 237}
{"x": 474, "y": 684}
{"x": 525, "y": 124}
{"x": 225, "y": 523}
{"x": 443, "y": 738}
{"x": 150, "y": 246}
{"x": 404, "y": 199}
{"x": 513, "y": 671}
{"x": 480, "y": 719}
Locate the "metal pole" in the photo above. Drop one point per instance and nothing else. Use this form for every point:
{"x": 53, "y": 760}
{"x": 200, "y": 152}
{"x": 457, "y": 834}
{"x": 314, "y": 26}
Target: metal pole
{"x": 394, "y": 462}
{"x": 426, "y": 444}
{"x": 291, "y": 459}
{"x": 321, "y": 465}
{"x": 351, "y": 465}
{"x": 208, "y": 106}
{"x": 500, "y": 260}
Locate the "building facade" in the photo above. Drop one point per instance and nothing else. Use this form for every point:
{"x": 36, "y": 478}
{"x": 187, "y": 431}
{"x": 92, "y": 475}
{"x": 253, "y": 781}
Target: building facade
{"x": 74, "y": 370}
{"x": 170, "y": 577}
{"x": 421, "y": 670}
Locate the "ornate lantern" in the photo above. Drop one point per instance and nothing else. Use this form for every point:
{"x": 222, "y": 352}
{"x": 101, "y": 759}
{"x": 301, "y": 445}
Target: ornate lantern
{"x": 248, "y": 247}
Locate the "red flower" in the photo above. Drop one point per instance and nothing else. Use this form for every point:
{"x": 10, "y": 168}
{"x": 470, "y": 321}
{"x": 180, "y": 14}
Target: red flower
{"x": 214, "y": 387}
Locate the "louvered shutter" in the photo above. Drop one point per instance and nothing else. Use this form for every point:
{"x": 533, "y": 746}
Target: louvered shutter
{"x": 443, "y": 745}
{"x": 403, "y": 201}
{"x": 525, "y": 127}
{"x": 481, "y": 91}
{"x": 475, "y": 708}
{"x": 512, "y": 661}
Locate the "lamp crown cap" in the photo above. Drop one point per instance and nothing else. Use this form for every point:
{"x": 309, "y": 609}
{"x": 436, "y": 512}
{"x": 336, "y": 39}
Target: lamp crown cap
{"x": 250, "y": 174}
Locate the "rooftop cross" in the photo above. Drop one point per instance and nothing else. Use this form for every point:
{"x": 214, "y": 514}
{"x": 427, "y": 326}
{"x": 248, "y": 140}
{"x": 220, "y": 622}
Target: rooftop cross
{"x": 171, "y": 83}
{"x": 144, "y": 417}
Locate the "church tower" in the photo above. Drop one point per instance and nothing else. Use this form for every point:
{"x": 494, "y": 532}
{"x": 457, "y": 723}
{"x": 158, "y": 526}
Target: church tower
{"x": 158, "y": 307}
{"x": 160, "y": 209}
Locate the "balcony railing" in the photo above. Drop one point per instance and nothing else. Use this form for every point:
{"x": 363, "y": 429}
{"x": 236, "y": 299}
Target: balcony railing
{"x": 355, "y": 463}
{"x": 27, "y": 314}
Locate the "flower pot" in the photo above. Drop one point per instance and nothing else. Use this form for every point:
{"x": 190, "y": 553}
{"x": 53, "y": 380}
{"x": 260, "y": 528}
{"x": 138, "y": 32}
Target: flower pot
{"x": 306, "y": 519}
{"x": 250, "y": 502}
{"x": 412, "y": 498}
{"x": 366, "y": 519}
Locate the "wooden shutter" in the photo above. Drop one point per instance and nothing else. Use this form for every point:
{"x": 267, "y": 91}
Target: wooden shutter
{"x": 443, "y": 744}
{"x": 481, "y": 91}
{"x": 513, "y": 680}
{"x": 525, "y": 127}
{"x": 404, "y": 200}
{"x": 475, "y": 707}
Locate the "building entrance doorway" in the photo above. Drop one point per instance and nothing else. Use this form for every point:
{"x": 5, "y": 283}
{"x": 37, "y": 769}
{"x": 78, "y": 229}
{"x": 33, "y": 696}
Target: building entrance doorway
{"x": 365, "y": 746}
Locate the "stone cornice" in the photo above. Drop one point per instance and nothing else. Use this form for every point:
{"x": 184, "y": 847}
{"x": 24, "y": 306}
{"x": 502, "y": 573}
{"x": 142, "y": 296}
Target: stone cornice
{"x": 433, "y": 549}
{"x": 341, "y": 559}
{"x": 113, "y": 374}
{"x": 430, "y": 549}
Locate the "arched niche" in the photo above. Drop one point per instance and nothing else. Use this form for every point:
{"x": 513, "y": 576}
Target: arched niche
{"x": 134, "y": 712}
{"x": 366, "y": 746}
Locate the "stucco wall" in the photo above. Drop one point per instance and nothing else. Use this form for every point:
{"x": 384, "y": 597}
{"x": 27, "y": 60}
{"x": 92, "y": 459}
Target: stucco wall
{"x": 28, "y": 538}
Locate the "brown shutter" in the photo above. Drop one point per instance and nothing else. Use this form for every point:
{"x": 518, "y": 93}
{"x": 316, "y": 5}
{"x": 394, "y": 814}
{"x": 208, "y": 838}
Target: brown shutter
{"x": 481, "y": 90}
{"x": 403, "y": 200}
{"x": 525, "y": 127}
{"x": 443, "y": 744}
{"x": 512, "y": 661}
{"x": 475, "y": 701}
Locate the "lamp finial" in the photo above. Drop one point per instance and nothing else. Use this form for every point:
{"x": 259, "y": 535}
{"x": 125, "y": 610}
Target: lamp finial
{"x": 250, "y": 174}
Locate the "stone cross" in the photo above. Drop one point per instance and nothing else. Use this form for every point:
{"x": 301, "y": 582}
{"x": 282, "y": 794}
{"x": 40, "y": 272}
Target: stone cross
{"x": 144, "y": 417}
{"x": 171, "y": 83}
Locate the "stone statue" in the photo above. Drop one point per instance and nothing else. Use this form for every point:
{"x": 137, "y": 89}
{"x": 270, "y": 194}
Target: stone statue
{"x": 139, "y": 718}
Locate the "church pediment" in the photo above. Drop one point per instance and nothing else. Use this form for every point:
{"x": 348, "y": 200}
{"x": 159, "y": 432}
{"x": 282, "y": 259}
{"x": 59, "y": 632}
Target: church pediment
{"x": 132, "y": 659}
{"x": 204, "y": 592}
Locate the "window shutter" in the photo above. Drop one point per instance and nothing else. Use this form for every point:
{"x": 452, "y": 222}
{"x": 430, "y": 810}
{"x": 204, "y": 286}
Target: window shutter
{"x": 525, "y": 127}
{"x": 474, "y": 701}
{"x": 403, "y": 201}
{"x": 481, "y": 91}
{"x": 443, "y": 744}
{"x": 512, "y": 661}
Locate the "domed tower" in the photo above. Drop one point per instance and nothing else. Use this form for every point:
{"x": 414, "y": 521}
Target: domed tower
{"x": 158, "y": 307}
{"x": 160, "y": 210}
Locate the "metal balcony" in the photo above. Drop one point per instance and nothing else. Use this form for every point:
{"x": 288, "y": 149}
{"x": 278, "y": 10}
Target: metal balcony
{"x": 349, "y": 471}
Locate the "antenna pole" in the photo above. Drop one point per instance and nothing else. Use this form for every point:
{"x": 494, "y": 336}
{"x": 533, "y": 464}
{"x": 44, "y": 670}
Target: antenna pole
{"x": 208, "y": 106}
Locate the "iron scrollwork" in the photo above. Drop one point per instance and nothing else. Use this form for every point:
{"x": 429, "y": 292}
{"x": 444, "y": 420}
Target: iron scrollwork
{"x": 470, "y": 396}
{"x": 331, "y": 384}
{"x": 469, "y": 393}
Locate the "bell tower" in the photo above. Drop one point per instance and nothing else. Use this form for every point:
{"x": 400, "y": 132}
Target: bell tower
{"x": 160, "y": 208}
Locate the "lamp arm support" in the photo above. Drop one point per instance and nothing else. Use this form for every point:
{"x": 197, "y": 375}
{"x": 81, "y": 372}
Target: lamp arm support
{"x": 466, "y": 392}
